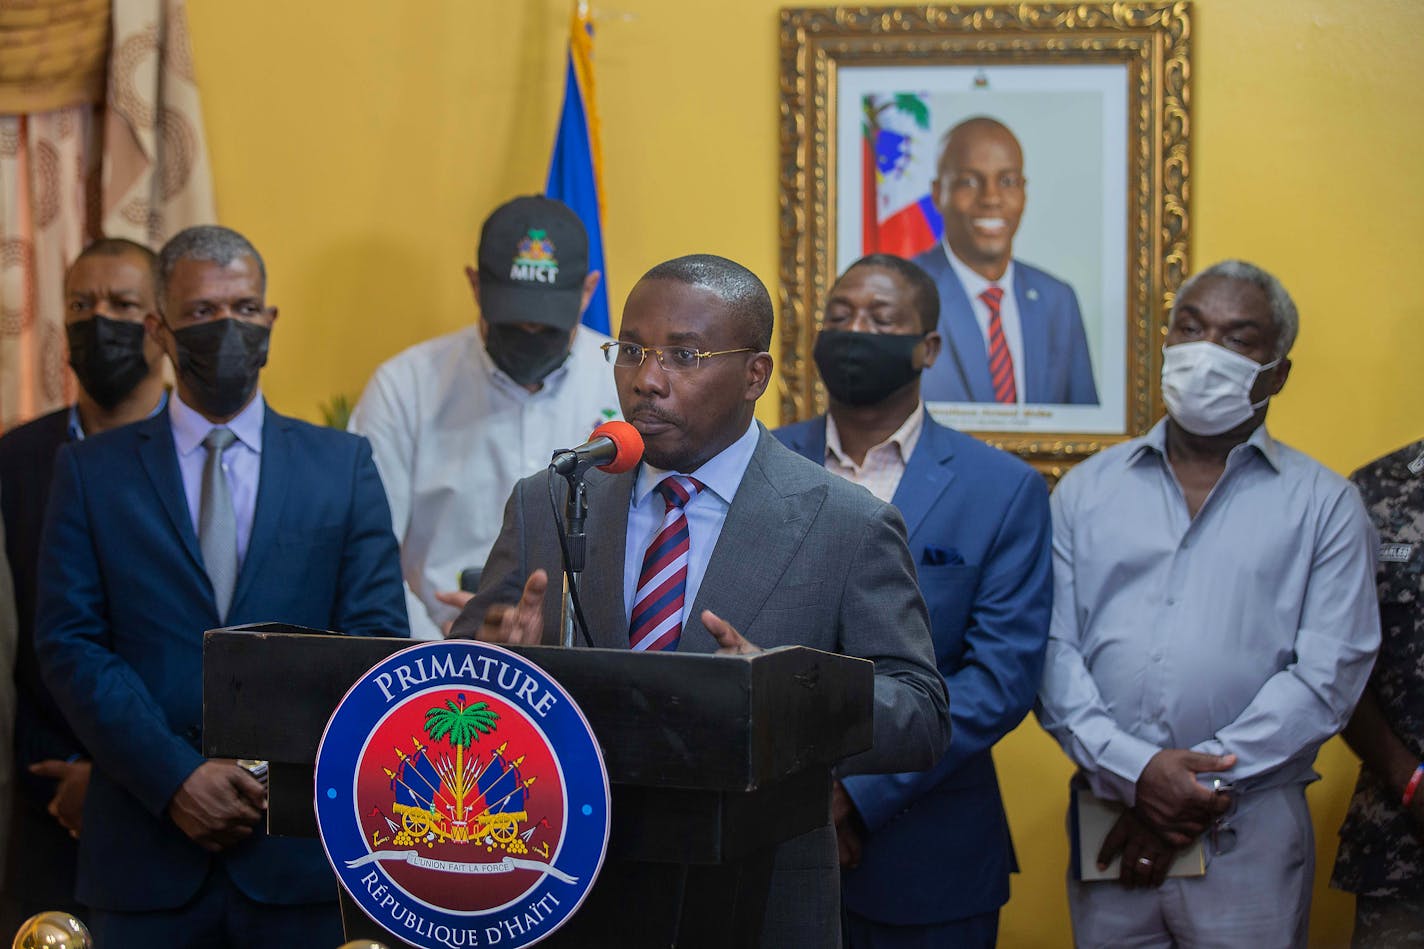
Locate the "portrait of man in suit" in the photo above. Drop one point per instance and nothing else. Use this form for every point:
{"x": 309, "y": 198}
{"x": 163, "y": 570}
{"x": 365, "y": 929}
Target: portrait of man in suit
{"x": 215, "y": 512}
{"x": 1013, "y": 333}
{"x": 724, "y": 540}
{"x": 978, "y": 525}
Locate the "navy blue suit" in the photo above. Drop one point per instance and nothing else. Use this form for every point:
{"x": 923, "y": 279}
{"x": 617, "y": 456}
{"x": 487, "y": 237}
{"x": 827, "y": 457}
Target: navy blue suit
{"x": 123, "y": 604}
{"x": 1057, "y": 369}
{"x": 938, "y": 846}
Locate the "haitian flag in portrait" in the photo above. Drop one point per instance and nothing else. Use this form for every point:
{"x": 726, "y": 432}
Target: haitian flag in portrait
{"x": 898, "y": 158}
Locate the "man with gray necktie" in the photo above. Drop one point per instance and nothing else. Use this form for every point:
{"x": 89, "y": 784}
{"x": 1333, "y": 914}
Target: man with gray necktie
{"x": 217, "y": 512}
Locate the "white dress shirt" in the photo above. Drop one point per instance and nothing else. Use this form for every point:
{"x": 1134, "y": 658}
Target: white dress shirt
{"x": 451, "y": 434}
{"x": 706, "y": 513}
{"x": 241, "y": 460}
{"x": 974, "y": 284}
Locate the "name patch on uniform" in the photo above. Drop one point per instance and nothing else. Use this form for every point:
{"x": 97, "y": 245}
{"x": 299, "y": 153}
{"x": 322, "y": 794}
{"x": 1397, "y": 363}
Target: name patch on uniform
{"x": 1395, "y": 553}
{"x": 1417, "y": 465}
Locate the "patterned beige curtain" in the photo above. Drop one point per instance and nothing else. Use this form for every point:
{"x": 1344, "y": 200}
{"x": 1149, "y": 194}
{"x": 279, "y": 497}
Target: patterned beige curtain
{"x": 156, "y": 176}
{"x": 101, "y": 132}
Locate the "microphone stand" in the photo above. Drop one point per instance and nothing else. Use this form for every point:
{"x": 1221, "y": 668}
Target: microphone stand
{"x": 572, "y": 465}
{"x": 573, "y": 547}
{"x": 575, "y": 515}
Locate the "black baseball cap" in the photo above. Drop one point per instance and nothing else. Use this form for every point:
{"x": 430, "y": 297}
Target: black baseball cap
{"x": 533, "y": 261}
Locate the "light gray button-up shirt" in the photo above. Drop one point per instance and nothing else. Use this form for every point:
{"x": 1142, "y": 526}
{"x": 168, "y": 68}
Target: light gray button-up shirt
{"x": 1249, "y": 630}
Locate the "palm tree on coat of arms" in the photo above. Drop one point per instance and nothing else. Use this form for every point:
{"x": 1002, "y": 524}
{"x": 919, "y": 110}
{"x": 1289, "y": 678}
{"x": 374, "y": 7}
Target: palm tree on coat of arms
{"x": 462, "y": 726}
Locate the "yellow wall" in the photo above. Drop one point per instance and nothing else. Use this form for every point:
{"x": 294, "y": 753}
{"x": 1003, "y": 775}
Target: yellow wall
{"x": 359, "y": 143}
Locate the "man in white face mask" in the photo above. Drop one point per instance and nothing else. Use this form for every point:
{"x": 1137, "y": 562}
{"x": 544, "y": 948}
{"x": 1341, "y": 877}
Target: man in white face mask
{"x": 1214, "y": 381}
{"x": 1222, "y": 584}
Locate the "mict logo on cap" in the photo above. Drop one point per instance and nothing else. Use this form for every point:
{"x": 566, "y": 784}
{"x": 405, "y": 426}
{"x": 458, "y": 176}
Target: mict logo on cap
{"x": 533, "y": 260}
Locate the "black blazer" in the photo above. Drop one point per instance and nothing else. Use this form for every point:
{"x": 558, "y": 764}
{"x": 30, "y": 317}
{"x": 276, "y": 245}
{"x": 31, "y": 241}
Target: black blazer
{"x": 26, "y": 469}
{"x": 41, "y": 855}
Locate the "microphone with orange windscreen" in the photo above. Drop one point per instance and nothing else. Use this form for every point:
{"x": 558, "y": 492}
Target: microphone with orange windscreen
{"x": 614, "y": 447}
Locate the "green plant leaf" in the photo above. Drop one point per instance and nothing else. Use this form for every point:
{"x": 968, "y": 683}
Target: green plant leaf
{"x": 336, "y": 413}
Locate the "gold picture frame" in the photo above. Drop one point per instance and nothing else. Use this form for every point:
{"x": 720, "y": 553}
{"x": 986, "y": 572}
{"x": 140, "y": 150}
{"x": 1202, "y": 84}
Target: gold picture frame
{"x": 842, "y": 68}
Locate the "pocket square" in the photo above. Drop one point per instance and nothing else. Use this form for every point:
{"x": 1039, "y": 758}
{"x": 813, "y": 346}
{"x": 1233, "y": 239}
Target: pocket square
{"x": 936, "y": 556}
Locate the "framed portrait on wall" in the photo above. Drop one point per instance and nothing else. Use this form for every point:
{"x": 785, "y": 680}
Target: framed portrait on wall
{"x": 1033, "y": 159}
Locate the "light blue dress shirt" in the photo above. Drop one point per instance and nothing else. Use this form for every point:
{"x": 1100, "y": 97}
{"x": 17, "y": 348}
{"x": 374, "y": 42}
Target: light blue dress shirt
{"x": 1249, "y": 630}
{"x": 76, "y": 427}
{"x": 242, "y": 461}
{"x": 706, "y": 513}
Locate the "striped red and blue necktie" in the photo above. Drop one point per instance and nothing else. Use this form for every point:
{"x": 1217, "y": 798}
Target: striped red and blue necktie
{"x": 656, "y": 622}
{"x": 1001, "y": 363}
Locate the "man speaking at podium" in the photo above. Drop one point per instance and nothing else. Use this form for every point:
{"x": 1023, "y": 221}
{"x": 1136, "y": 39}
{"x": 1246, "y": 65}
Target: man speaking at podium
{"x": 723, "y": 540}
{"x": 215, "y": 512}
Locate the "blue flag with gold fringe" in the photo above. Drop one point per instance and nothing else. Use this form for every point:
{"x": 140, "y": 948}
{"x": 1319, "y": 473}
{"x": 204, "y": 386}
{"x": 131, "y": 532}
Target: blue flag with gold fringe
{"x": 576, "y": 170}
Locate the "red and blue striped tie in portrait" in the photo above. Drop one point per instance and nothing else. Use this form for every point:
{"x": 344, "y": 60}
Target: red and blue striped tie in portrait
{"x": 656, "y": 622}
{"x": 1001, "y": 364}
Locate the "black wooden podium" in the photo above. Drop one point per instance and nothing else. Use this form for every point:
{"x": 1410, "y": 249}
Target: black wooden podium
{"x": 712, "y": 761}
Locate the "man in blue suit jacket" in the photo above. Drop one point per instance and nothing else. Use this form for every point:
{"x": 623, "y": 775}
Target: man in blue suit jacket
{"x": 158, "y": 531}
{"x": 926, "y": 856}
{"x": 1012, "y": 333}
{"x": 108, "y": 292}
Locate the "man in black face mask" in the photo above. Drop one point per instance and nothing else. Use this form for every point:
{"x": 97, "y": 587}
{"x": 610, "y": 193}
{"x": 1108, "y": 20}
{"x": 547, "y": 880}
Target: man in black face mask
{"x": 216, "y": 512}
{"x": 108, "y": 291}
{"x": 455, "y": 421}
{"x": 978, "y": 527}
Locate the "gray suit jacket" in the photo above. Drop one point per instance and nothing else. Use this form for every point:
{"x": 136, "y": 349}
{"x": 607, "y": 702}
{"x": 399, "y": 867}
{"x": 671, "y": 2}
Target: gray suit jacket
{"x": 804, "y": 558}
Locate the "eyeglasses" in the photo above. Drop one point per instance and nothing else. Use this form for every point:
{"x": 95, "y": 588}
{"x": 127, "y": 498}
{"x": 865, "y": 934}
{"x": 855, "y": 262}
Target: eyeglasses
{"x": 671, "y": 358}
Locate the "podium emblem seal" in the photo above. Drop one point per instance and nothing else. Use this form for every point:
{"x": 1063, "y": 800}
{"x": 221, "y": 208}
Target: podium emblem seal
{"x": 461, "y": 797}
